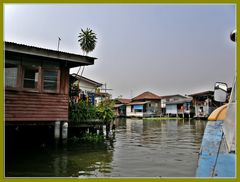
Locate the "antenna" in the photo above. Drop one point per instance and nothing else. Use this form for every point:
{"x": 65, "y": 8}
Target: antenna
{"x": 59, "y": 39}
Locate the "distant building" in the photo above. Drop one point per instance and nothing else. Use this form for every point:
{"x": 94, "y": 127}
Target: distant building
{"x": 146, "y": 104}
{"x": 169, "y": 98}
{"x": 180, "y": 107}
{"x": 89, "y": 88}
{"x": 204, "y": 103}
{"x": 120, "y": 107}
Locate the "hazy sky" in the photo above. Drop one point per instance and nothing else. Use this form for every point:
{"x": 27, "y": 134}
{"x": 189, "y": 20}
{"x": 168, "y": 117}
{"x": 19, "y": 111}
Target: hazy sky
{"x": 165, "y": 49}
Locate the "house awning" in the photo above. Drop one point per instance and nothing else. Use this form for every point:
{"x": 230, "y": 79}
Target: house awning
{"x": 138, "y": 103}
{"x": 118, "y": 105}
{"x": 140, "y": 107}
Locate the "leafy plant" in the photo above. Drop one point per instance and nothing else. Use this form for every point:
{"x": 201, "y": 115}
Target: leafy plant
{"x": 105, "y": 111}
{"x": 83, "y": 111}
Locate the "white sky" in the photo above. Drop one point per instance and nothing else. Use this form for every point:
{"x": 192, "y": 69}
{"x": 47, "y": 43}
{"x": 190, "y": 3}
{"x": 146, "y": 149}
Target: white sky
{"x": 166, "y": 49}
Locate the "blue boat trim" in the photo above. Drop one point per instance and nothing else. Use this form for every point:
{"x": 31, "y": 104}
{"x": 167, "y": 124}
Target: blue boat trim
{"x": 225, "y": 166}
{"x": 209, "y": 151}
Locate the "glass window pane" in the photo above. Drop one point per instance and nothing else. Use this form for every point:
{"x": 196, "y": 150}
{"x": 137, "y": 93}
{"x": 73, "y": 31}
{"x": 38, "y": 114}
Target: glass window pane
{"x": 11, "y": 70}
{"x": 30, "y": 78}
{"x": 50, "y": 80}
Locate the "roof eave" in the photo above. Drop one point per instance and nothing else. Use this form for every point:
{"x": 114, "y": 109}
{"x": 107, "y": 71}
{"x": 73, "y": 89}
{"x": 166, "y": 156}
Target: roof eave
{"x": 74, "y": 59}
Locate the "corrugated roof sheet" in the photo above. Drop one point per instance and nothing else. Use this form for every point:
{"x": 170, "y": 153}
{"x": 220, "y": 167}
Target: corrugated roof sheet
{"x": 169, "y": 96}
{"x": 118, "y": 105}
{"x": 202, "y": 93}
{"x": 138, "y": 103}
{"x": 69, "y": 59}
{"x": 147, "y": 96}
{"x": 41, "y": 48}
{"x": 180, "y": 101}
{"x": 123, "y": 101}
{"x": 86, "y": 79}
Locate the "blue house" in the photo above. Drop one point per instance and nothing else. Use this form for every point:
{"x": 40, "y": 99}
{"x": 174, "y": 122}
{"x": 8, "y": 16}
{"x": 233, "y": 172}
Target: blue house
{"x": 181, "y": 107}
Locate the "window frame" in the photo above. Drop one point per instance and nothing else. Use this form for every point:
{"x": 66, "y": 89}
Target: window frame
{"x": 58, "y": 80}
{"x": 18, "y": 79}
{"x": 40, "y": 84}
{"x": 37, "y": 89}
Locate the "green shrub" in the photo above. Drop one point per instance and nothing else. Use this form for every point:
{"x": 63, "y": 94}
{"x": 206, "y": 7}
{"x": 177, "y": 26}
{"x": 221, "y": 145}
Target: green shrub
{"x": 104, "y": 111}
{"x": 83, "y": 111}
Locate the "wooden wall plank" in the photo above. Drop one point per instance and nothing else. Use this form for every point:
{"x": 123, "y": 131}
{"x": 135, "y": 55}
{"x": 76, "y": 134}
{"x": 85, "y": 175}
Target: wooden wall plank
{"x": 27, "y": 106}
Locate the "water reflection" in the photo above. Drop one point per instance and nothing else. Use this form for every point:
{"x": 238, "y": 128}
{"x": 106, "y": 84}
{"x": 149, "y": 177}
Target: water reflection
{"x": 72, "y": 161}
{"x": 167, "y": 148}
{"x": 140, "y": 149}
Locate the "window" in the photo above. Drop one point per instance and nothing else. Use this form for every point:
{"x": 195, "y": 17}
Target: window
{"x": 30, "y": 79}
{"x": 50, "y": 80}
{"x": 30, "y": 74}
{"x": 51, "y": 76}
{"x": 11, "y": 71}
{"x": 138, "y": 110}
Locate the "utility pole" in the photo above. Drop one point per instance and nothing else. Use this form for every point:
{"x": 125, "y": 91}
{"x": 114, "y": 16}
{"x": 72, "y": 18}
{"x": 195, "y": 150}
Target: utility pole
{"x": 59, "y": 39}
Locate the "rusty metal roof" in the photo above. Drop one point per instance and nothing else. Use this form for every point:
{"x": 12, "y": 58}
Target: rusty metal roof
{"x": 179, "y": 101}
{"x": 138, "y": 103}
{"x": 146, "y": 96}
{"x": 74, "y": 60}
{"x": 78, "y": 77}
{"x": 123, "y": 101}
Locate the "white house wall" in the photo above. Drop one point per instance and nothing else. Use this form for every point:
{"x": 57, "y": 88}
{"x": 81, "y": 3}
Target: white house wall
{"x": 129, "y": 113}
{"x": 86, "y": 86}
{"x": 171, "y": 109}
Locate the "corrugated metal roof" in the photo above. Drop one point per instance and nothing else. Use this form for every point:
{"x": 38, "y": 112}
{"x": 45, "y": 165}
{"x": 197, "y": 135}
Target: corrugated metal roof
{"x": 118, "y": 105}
{"x": 41, "y": 48}
{"x": 202, "y": 93}
{"x": 123, "y": 101}
{"x": 147, "y": 96}
{"x": 179, "y": 101}
{"x": 78, "y": 77}
{"x": 169, "y": 96}
{"x": 72, "y": 59}
{"x": 138, "y": 103}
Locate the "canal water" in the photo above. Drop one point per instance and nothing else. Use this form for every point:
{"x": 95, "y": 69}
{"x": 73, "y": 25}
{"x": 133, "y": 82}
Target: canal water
{"x": 139, "y": 148}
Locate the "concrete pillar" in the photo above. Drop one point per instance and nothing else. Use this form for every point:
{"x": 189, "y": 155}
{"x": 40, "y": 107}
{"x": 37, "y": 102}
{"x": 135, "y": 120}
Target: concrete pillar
{"x": 57, "y": 126}
{"x": 65, "y": 130}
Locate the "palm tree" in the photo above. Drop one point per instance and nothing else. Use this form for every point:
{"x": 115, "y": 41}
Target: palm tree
{"x": 87, "y": 40}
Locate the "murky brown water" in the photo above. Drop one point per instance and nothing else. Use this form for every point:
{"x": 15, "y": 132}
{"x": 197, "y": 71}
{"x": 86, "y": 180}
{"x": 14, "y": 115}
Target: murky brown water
{"x": 139, "y": 149}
